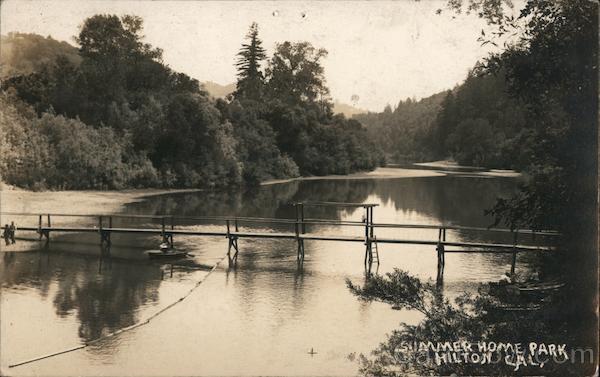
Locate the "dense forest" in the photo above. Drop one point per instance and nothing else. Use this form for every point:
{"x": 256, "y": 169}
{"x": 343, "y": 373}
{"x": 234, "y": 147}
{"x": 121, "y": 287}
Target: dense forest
{"x": 404, "y": 132}
{"x": 113, "y": 115}
{"x": 476, "y": 123}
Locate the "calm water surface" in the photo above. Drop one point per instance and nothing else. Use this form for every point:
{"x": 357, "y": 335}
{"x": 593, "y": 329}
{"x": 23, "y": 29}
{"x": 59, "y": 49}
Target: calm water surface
{"x": 261, "y": 317}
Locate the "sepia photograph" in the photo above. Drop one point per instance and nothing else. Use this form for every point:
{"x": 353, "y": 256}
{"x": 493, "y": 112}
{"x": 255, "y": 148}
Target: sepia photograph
{"x": 299, "y": 188}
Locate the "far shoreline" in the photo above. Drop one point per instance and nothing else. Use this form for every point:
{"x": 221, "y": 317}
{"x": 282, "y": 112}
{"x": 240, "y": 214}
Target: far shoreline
{"x": 85, "y": 202}
{"x": 380, "y": 172}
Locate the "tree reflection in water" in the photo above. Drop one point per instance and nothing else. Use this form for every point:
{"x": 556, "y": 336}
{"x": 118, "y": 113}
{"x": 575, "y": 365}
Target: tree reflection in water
{"x": 103, "y": 302}
{"x": 458, "y": 200}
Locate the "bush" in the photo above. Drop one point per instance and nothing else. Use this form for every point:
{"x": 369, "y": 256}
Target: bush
{"x": 84, "y": 157}
{"x": 25, "y": 154}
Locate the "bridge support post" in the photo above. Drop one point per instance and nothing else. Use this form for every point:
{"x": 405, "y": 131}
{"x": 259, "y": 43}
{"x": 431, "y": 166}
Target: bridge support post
{"x": 104, "y": 255}
{"x": 441, "y": 256}
{"x": 513, "y": 263}
{"x": 103, "y": 236}
{"x": 300, "y": 254}
{"x": 39, "y": 230}
{"x": 232, "y": 244}
{"x": 300, "y": 228}
{"x": 441, "y": 261}
{"x": 303, "y": 229}
{"x": 105, "y": 241}
{"x": 171, "y": 234}
{"x": 46, "y": 232}
{"x": 369, "y": 234}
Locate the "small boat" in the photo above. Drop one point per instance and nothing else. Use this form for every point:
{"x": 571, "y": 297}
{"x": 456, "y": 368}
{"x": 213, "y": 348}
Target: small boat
{"x": 516, "y": 308}
{"x": 166, "y": 252}
{"x": 171, "y": 254}
{"x": 541, "y": 287}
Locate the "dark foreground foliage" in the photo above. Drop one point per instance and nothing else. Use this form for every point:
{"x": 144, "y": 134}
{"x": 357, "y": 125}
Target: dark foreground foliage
{"x": 487, "y": 316}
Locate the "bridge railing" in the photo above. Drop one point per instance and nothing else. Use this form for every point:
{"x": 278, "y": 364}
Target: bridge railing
{"x": 165, "y": 226}
{"x": 283, "y": 221}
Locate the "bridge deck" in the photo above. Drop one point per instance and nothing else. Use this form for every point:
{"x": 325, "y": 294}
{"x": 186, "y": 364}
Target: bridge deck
{"x": 487, "y": 247}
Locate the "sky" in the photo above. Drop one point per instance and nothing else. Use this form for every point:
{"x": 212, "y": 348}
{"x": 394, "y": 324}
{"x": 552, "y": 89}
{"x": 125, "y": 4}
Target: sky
{"x": 380, "y": 52}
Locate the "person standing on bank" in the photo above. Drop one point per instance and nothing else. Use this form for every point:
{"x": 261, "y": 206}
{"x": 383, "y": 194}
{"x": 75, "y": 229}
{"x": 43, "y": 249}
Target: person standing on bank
{"x": 6, "y": 234}
{"x": 12, "y": 228}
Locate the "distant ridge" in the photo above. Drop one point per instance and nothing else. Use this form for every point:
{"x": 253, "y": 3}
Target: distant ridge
{"x": 348, "y": 110}
{"x": 22, "y": 54}
{"x": 217, "y": 90}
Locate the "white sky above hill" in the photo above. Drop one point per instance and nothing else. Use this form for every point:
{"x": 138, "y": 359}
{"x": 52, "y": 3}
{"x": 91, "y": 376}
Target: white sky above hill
{"x": 381, "y": 51}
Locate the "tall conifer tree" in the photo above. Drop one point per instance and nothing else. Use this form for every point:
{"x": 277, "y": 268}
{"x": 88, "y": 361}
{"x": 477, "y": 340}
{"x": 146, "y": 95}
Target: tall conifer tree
{"x": 250, "y": 78}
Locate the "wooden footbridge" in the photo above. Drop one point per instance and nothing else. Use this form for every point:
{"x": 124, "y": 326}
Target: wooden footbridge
{"x": 168, "y": 227}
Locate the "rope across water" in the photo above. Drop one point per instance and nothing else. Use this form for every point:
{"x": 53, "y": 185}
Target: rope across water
{"x": 125, "y": 329}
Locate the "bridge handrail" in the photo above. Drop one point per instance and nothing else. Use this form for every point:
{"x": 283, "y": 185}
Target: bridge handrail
{"x": 308, "y": 221}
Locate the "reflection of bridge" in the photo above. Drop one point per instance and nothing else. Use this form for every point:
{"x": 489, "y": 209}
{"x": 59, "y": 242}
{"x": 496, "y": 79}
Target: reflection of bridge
{"x": 231, "y": 230}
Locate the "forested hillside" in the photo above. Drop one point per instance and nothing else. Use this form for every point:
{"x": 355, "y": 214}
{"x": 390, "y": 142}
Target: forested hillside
{"x": 476, "y": 123}
{"x": 404, "y": 133}
{"x": 114, "y": 115}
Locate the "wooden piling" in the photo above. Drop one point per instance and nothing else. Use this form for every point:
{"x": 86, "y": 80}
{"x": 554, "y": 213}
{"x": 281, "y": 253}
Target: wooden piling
{"x": 299, "y": 228}
{"x": 366, "y": 235}
{"x": 303, "y": 227}
{"x": 40, "y": 227}
{"x": 232, "y": 243}
{"x": 235, "y": 240}
{"x": 172, "y": 228}
{"x": 369, "y": 235}
{"x": 513, "y": 263}
{"x": 107, "y": 233}
{"x": 46, "y": 232}
{"x": 440, "y": 263}
{"x": 100, "y": 230}
{"x": 441, "y": 255}
{"x": 302, "y": 218}
{"x": 228, "y": 242}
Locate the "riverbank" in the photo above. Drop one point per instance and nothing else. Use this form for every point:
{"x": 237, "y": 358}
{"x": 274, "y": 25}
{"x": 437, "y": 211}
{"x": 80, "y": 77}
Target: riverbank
{"x": 75, "y": 202}
{"x": 85, "y": 202}
{"x": 382, "y": 172}
{"x": 452, "y": 167}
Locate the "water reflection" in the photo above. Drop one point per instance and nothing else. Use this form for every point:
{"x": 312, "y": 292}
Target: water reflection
{"x": 453, "y": 200}
{"x": 102, "y": 299}
{"x": 105, "y": 295}
{"x": 100, "y": 292}
{"x": 457, "y": 200}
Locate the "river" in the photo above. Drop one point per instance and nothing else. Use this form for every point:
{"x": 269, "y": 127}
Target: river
{"x": 262, "y": 317}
